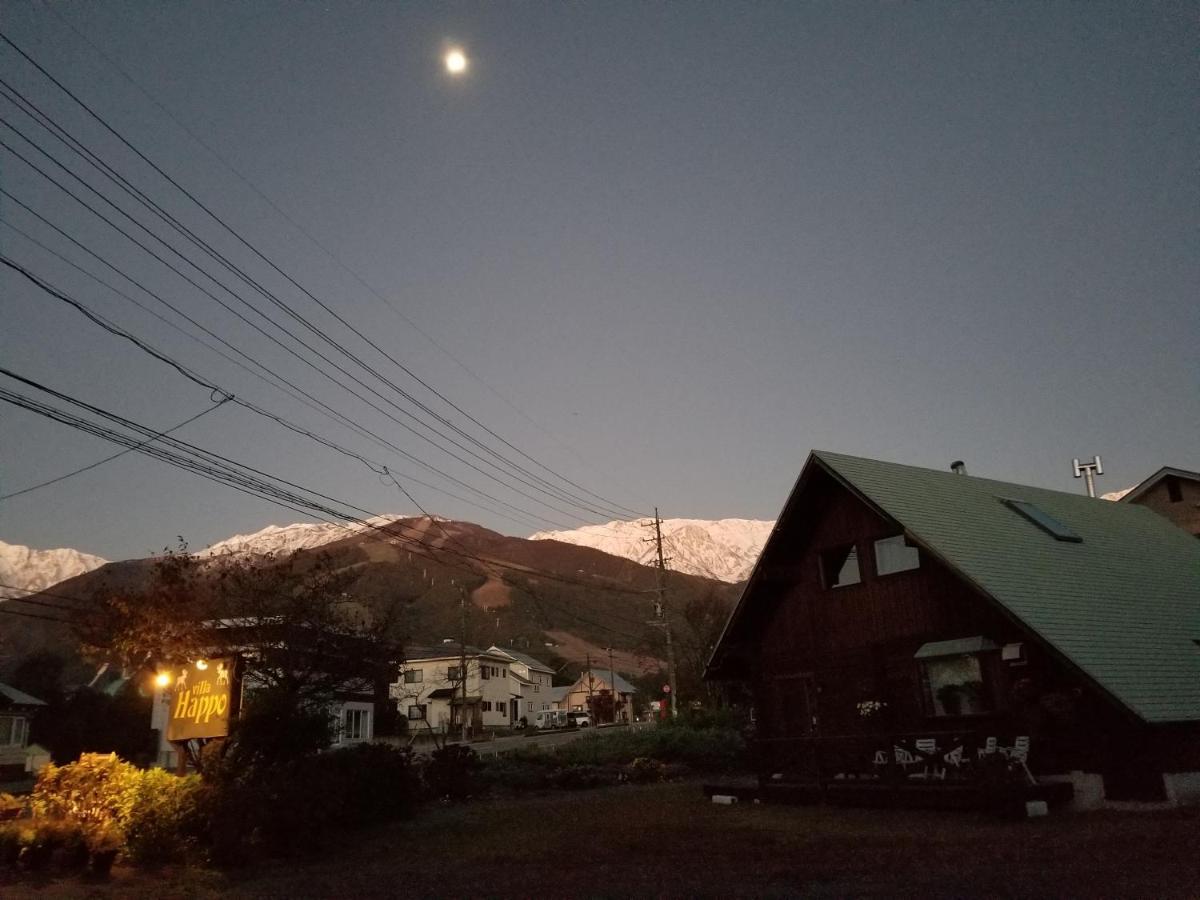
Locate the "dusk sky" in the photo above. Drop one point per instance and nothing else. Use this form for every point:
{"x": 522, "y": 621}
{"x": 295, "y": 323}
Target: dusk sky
{"x": 663, "y": 249}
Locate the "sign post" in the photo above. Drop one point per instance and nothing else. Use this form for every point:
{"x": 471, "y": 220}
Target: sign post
{"x": 205, "y": 699}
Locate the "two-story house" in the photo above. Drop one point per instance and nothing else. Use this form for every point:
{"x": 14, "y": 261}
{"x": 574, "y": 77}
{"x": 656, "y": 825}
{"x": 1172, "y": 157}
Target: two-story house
{"x": 907, "y": 630}
{"x": 593, "y": 685}
{"x": 17, "y": 757}
{"x": 532, "y": 679}
{"x": 430, "y": 689}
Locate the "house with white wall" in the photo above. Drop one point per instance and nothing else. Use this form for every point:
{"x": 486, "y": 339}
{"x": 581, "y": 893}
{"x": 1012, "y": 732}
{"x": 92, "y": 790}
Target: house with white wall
{"x": 533, "y": 680}
{"x": 593, "y": 682}
{"x": 17, "y": 757}
{"x": 429, "y": 690}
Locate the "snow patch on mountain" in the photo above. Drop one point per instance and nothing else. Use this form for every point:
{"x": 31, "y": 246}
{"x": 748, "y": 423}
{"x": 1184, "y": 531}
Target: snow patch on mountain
{"x": 724, "y": 549}
{"x": 35, "y": 570}
{"x": 285, "y": 539}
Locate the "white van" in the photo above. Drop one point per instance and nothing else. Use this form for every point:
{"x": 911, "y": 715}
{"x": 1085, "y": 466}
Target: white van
{"x": 551, "y": 718}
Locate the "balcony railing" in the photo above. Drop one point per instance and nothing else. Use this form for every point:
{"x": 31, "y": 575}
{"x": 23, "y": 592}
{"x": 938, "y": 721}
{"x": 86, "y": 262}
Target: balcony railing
{"x": 943, "y": 757}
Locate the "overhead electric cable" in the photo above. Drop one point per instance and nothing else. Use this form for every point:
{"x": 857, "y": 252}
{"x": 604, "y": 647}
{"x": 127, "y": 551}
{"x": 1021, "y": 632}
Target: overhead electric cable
{"x": 112, "y": 174}
{"x": 246, "y": 478}
{"x": 100, "y": 462}
{"x": 333, "y": 312}
{"x": 333, "y": 256}
{"x": 308, "y": 362}
{"x": 329, "y": 410}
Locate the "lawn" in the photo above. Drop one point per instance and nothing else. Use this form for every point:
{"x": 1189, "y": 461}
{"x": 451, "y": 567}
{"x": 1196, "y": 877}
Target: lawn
{"x": 667, "y": 840}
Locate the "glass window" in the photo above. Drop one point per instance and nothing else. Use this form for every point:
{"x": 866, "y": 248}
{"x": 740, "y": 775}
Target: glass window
{"x": 417, "y": 711}
{"x": 12, "y": 731}
{"x": 893, "y": 554}
{"x": 413, "y": 676}
{"x": 1043, "y": 520}
{"x": 454, "y": 673}
{"x": 954, "y": 686}
{"x": 355, "y": 724}
{"x": 839, "y": 566}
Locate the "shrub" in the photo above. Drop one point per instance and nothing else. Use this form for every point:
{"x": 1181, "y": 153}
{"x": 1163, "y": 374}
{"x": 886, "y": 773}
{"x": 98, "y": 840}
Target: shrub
{"x": 155, "y": 830}
{"x": 96, "y": 790}
{"x": 643, "y": 769}
{"x": 451, "y": 772}
{"x": 700, "y": 749}
{"x": 10, "y": 843}
{"x": 10, "y": 806}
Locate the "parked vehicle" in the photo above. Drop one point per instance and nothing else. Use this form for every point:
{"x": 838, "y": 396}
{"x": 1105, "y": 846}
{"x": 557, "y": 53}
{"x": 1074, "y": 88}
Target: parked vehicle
{"x": 551, "y": 718}
{"x": 579, "y": 719}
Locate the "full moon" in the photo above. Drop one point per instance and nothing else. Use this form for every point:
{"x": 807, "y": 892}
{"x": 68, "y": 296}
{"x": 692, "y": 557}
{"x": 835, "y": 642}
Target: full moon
{"x": 456, "y": 62}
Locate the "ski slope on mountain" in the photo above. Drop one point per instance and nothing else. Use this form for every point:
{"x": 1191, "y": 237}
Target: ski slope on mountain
{"x": 724, "y": 549}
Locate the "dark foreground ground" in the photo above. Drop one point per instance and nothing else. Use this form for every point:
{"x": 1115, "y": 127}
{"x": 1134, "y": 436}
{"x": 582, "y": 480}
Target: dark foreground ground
{"x": 667, "y": 840}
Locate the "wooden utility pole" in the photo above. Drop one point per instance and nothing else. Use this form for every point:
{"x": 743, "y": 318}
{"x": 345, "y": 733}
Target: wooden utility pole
{"x": 462, "y": 658}
{"x": 590, "y": 685}
{"x": 612, "y": 684}
{"x": 662, "y": 618}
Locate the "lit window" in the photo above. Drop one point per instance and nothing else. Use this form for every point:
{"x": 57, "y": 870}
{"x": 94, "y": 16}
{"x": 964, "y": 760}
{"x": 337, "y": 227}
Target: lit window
{"x": 839, "y": 567}
{"x": 413, "y": 676}
{"x": 954, "y": 686}
{"x": 894, "y": 555}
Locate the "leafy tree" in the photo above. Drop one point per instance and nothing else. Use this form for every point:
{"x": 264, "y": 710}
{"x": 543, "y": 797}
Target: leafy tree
{"x": 301, "y": 635}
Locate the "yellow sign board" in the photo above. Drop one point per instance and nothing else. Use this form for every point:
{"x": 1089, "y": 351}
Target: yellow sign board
{"x": 202, "y": 700}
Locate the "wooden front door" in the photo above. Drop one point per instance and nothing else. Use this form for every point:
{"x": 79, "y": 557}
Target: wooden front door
{"x": 792, "y": 705}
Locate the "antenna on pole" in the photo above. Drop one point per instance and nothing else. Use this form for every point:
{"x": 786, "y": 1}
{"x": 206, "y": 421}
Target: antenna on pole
{"x": 1089, "y": 471}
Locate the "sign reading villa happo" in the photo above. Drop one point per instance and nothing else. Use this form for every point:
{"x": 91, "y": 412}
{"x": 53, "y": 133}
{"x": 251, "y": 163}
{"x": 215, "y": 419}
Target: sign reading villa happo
{"x": 202, "y": 697}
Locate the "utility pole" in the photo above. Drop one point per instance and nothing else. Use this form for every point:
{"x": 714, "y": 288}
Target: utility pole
{"x": 591, "y": 683}
{"x": 462, "y": 657}
{"x": 612, "y": 683}
{"x": 662, "y": 618}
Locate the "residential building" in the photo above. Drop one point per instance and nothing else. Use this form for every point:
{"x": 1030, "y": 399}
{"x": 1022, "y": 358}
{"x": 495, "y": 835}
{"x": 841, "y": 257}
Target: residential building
{"x": 18, "y": 758}
{"x": 429, "y": 692}
{"x": 533, "y": 679}
{"x": 592, "y": 683}
{"x": 905, "y": 627}
{"x": 1172, "y": 493}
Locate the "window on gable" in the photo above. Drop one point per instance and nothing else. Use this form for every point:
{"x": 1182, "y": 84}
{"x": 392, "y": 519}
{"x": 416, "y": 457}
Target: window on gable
{"x": 1174, "y": 492}
{"x": 1043, "y": 520}
{"x": 839, "y": 566}
{"x": 893, "y": 554}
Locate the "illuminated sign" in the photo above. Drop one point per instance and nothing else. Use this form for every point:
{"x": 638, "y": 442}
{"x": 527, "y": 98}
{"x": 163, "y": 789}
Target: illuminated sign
{"x": 202, "y": 700}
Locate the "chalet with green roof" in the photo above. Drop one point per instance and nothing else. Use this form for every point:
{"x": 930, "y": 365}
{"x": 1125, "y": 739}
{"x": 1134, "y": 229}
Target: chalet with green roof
{"x": 907, "y": 627}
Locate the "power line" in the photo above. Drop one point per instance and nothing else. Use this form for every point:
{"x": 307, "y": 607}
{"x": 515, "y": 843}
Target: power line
{"x": 290, "y": 350}
{"x": 378, "y": 468}
{"x": 246, "y": 478}
{"x": 567, "y": 497}
{"x": 322, "y": 247}
{"x": 107, "y": 459}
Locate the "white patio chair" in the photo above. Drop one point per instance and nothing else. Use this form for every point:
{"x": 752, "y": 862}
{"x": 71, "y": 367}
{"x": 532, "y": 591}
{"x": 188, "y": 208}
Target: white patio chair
{"x": 988, "y": 748}
{"x": 927, "y": 747}
{"x": 1019, "y": 752}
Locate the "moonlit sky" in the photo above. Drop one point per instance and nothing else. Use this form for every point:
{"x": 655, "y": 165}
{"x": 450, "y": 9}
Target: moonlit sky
{"x": 676, "y": 246}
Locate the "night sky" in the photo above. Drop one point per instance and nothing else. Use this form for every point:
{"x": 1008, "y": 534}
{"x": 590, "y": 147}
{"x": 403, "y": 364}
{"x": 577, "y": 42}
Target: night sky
{"x": 663, "y": 249}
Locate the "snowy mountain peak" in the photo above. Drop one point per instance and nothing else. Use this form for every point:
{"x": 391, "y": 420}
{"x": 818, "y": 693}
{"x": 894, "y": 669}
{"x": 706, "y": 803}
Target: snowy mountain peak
{"x": 36, "y": 570}
{"x": 725, "y": 549}
{"x": 285, "y": 539}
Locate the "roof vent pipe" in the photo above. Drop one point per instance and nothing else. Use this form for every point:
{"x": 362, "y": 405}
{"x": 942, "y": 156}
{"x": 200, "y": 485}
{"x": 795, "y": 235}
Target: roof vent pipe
{"x": 958, "y": 467}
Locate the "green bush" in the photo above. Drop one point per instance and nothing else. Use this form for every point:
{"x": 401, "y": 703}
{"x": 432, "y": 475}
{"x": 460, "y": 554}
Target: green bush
{"x": 115, "y": 805}
{"x": 452, "y": 772}
{"x": 702, "y": 749}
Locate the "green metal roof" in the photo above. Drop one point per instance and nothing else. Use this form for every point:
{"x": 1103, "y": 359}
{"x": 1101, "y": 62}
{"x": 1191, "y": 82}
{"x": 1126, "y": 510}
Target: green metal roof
{"x": 1122, "y": 604}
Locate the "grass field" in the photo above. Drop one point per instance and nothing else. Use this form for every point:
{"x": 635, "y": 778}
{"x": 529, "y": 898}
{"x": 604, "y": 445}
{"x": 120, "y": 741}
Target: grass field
{"x": 667, "y": 840}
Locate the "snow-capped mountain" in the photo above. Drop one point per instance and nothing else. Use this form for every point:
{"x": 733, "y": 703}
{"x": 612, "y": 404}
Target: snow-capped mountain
{"x": 284, "y": 539}
{"x": 725, "y": 549}
{"x": 36, "y": 570}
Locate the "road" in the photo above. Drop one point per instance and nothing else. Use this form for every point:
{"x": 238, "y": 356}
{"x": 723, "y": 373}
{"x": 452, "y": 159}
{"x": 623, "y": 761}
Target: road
{"x": 539, "y": 740}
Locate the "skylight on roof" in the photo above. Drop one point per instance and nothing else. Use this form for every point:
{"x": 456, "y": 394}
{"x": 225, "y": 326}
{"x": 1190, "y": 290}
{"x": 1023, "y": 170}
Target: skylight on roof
{"x": 1042, "y": 520}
